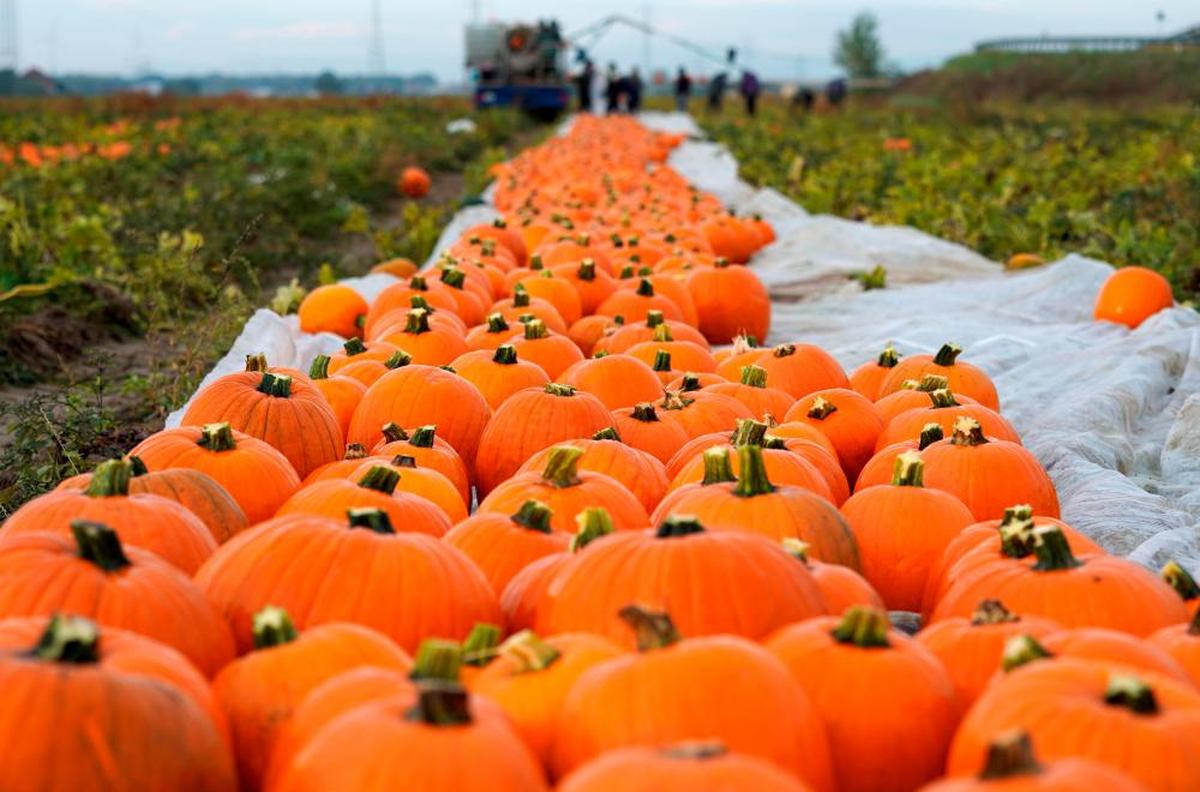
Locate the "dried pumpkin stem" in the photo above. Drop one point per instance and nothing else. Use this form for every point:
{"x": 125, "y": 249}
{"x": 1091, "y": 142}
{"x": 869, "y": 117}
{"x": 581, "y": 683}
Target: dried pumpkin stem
{"x": 1021, "y": 650}
{"x": 398, "y": 359}
{"x": 496, "y": 323}
{"x": 527, "y": 652}
{"x": 930, "y": 382}
{"x": 393, "y": 432}
{"x": 506, "y": 355}
{"x": 417, "y": 322}
{"x": 662, "y": 333}
{"x": 942, "y": 398}
{"x": 562, "y": 466}
{"x": 644, "y": 411}
{"x": 784, "y": 350}
{"x": 752, "y": 478}
{"x": 276, "y": 385}
{"x": 717, "y": 466}
{"x": 423, "y": 436}
{"x": 403, "y": 461}
{"x": 749, "y": 432}
{"x": 1009, "y": 756}
{"x": 888, "y": 358}
{"x": 654, "y": 318}
{"x": 534, "y": 515}
{"x": 99, "y": 544}
{"x": 440, "y": 704}
{"x": 593, "y": 523}
{"x": 559, "y": 389}
{"x": 68, "y": 639}
{"x": 645, "y": 288}
{"x": 677, "y": 525}
{"x": 272, "y": 626}
{"x": 864, "y": 627}
{"x": 217, "y": 437}
{"x": 535, "y": 329}
{"x": 930, "y": 434}
{"x": 355, "y": 451}
{"x": 754, "y": 376}
{"x": 967, "y": 432}
{"x": 376, "y": 520}
{"x": 1181, "y": 580}
{"x": 689, "y": 383}
{"x": 947, "y": 355}
{"x": 821, "y": 408}
{"x": 454, "y": 277}
{"x": 520, "y": 298}
{"x": 909, "y": 470}
{"x": 1130, "y": 692}
{"x": 587, "y": 270}
{"x": 256, "y": 361}
{"x": 992, "y": 611}
{"x": 653, "y": 629}
{"x": 607, "y": 433}
{"x": 418, "y": 283}
{"x": 110, "y": 479}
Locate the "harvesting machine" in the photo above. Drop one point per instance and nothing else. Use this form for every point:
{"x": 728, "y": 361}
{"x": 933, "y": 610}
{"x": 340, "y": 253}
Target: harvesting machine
{"x": 519, "y": 65}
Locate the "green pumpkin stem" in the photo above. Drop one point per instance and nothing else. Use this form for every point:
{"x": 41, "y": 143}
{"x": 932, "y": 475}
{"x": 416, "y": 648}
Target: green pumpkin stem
{"x": 784, "y": 350}
{"x": 676, "y": 525}
{"x": 967, "y": 432}
{"x": 417, "y": 322}
{"x": 1021, "y": 650}
{"x": 68, "y": 639}
{"x": 942, "y": 398}
{"x": 454, "y": 277}
{"x": 99, "y": 544}
{"x": 653, "y": 629}
{"x": 645, "y": 288}
{"x": 559, "y": 389}
{"x": 930, "y": 434}
{"x": 534, "y": 515}
{"x": 864, "y": 627}
{"x": 506, "y": 355}
{"x": 1181, "y": 580}
{"x": 417, "y": 301}
{"x": 403, "y": 461}
{"x": 749, "y": 432}
{"x": 594, "y": 523}
{"x": 437, "y": 659}
{"x": 947, "y": 355}
{"x": 717, "y": 466}
{"x": 137, "y": 466}
{"x": 888, "y": 358}
{"x": 608, "y": 433}
{"x": 930, "y": 382}
{"x": 418, "y": 283}
{"x": 992, "y": 611}
{"x": 393, "y": 432}
{"x": 654, "y": 318}
{"x": 276, "y": 385}
{"x": 753, "y": 478}
{"x": 398, "y": 359}
{"x": 272, "y": 626}
{"x": 111, "y": 479}
{"x": 662, "y": 360}
{"x": 354, "y": 346}
{"x": 644, "y": 411}
{"x": 1130, "y": 692}
{"x": 496, "y": 323}
{"x": 909, "y": 470}
{"x": 1052, "y": 550}
{"x": 526, "y": 652}
{"x": 562, "y": 466}
{"x": 587, "y": 270}
{"x": 376, "y": 520}
{"x": 754, "y": 376}
{"x": 662, "y": 334}
{"x": 380, "y": 478}
{"x": 689, "y": 383}
{"x": 217, "y": 437}
{"x": 319, "y": 368}
{"x": 423, "y": 436}
{"x": 440, "y": 704}
{"x": 481, "y": 644}
{"x": 1016, "y": 532}
{"x": 520, "y": 298}
{"x": 1010, "y": 756}
{"x": 821, "y": 408}
{"x": 535, "y": 329}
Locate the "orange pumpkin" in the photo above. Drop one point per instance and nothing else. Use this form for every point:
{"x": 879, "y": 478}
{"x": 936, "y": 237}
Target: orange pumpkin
{"x": 559, "y": 292}
{"x": 341, "y": 392}
{"x": 847, "y": 665}
{"x": 375, "y": 486}
{"x": 961, "y": 377}
{"x": 502, "y": 545}
{"x": 616, "y": 380}
{"x": 730, "y": 301}
{"x": 334, "y": 308}
{"x": 640, "y": 427}
{"x": 753, "y": 392}
{"x": 425, "y": 344}
{"x": 414, "y": 182}
{"x": 639, "y": 472}
{"x": 554, "y": 353}
{"x": 796, "y": 369}
{"x": 522, "y": 303}
{"x": 703, "y": 765}
{"x": 943, "y": 409}
{"x": 867, "y": 378}
{"x": 427, "y": 450}
{"x": 498, "y": 374}
{"x": 631, "y": 333}
{"x": 848, "y": 419}
{"x": 1131, "y": 295}
{"x": 635, "y": 304}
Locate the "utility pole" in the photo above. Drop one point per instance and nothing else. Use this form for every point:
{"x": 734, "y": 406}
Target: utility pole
{"x": 8, "y": 35}
{"x": 375, "y": 60}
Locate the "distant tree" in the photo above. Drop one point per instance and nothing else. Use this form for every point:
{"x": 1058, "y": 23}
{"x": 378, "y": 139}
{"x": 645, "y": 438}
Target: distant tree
{"x": 328, "y": 83}
{"x": 858, "y": 49}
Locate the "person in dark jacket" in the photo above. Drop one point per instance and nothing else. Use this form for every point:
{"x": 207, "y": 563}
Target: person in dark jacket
{"x": 750, "y": 89}
{"x": 583, "y": 85}
{"x": 683, "y": 90}
{"x": 716, "y": 92}
{"x": 835, "y": 92}
{"x": 612, "y": 89}
{"x": 633, "y": 91}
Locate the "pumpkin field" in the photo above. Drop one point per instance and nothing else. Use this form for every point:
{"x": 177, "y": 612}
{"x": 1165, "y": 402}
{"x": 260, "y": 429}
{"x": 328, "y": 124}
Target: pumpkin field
{"x": 523, "y": 487}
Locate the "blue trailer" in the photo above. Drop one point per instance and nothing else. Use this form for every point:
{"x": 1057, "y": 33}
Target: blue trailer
{"x": 519, "y": 66}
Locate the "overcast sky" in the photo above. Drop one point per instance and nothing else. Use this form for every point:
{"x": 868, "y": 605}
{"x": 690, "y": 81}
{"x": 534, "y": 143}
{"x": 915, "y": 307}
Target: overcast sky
{"x": 781, "y": 38}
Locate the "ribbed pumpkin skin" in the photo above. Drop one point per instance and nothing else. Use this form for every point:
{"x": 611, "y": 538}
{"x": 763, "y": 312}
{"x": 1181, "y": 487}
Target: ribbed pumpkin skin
{"x": 908, "y": 424}
{"x": 989, "y": 478}
{"x": 1062, "y": 775}
{"x": 730, "y": 301}
{"x": 301, "y": 426}
{"x": 678, "y": 573}
{"x": 652, "y": 770}
{"x": 532, "y": 699}
{"x": 1182, "y": 643}
{"x": 332, "y": 498}
{"x": 660, "y": 438}
{"x": 889, "y": 711}
{"x": 260, "y": 690}
{"x": 42, "y": 574}
{"x": 853, "y": 427}
{"x": 705, "y": 413}
{"x": 420, "y": 395}
{"x": 640, "y": 473}
{"x": 650, "y": 699}
{"x": 1110, "y": 646}
{"x": 553, "y": 353}
{"x": 901, "y": 532}
{"x": 784, "y": 468}
{"x": 879, "y": 467}
{"x": 150, "y": 522}
{"x": 806, "y": 370}
{"x": 501, "y": 547}
{"x": 142, "y": 709}
{"x": 197, "y": 491}
{"x": 594, "y": 489}
{"x": 760, "y": 401}
{"x": 841, "y": 587}
{"x": 320, "y": 570}
{"x": 636, "y": 332}
{"x": 427, "y": 484}
{"x": 826, "y": 464}
{"x": 1061, "y": 704}
{"x": 616, "y": 380}
{"x": 528, "y": 422}
{"x": 498, "y": 381}
{"x": 377, "y": 744}
{"x": 257, "y": 476}
{"x": 343, "y": 395}
{"x": 788, "y": 512}
{"x": 525, "y": 592}
{"x": 337, "y": 695}
{"x": 785, "y": 431}
{"x": 440, "y": 457}
{"x": 964, "y": 378}
{"x": 1104, "y": 591}
{"x": 971, "y": 653}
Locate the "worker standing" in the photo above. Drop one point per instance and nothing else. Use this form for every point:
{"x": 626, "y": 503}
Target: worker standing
{"x": 583, "y": 84}
{"x": 612, "y": 89}
{"x": 683, "y": 90}
{"x": 633, "y": 90}
{"x": 750, "y": 89}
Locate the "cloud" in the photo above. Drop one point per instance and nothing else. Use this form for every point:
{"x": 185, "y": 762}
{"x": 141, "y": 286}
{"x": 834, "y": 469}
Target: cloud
{"x": 301, "y": 31}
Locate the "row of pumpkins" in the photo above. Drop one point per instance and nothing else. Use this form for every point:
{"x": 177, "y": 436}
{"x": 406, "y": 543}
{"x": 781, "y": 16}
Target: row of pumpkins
{"x": 677, "y": 573}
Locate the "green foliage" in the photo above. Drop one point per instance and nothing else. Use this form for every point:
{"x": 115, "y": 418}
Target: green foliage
{"x": 1120, "y": 186}
{"x": 858, "y": 48}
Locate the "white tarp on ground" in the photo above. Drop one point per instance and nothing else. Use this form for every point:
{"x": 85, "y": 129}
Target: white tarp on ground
{"x": 1114, "y": 415}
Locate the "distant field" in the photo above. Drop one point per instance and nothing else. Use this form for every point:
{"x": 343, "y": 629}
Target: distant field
{"x": 1120, "y": 186}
